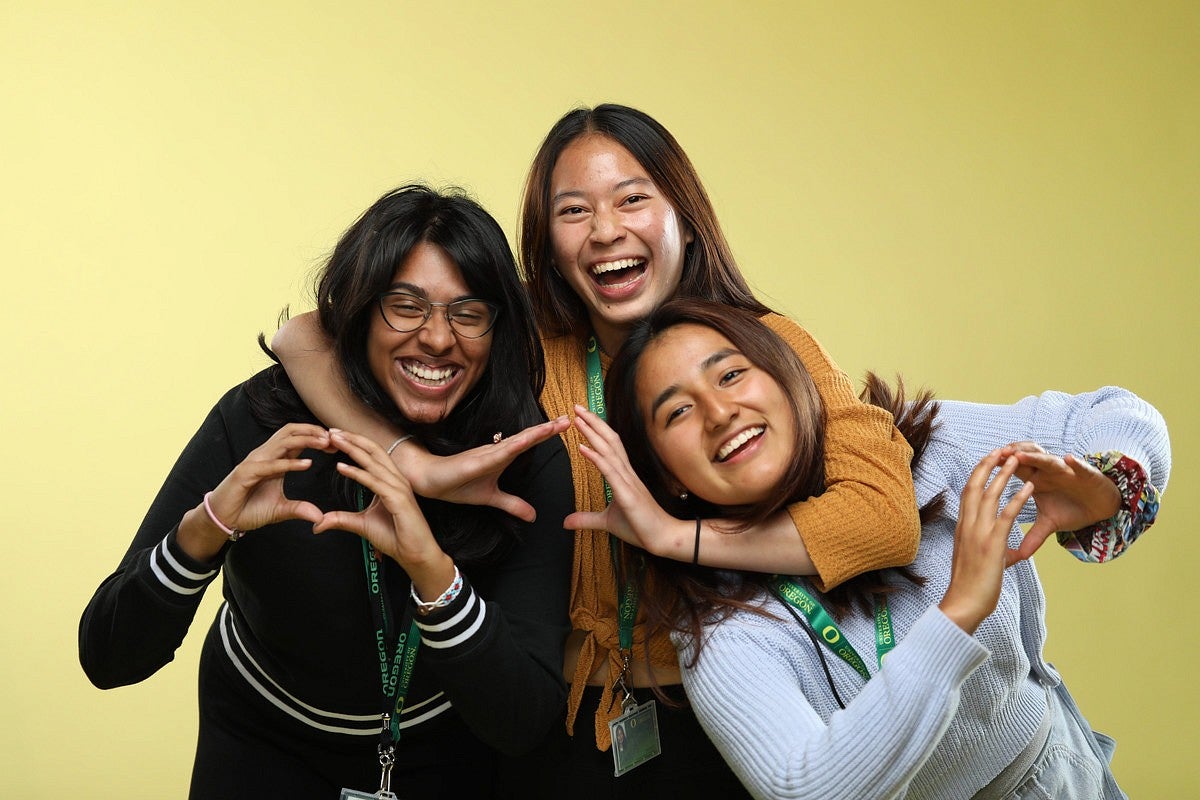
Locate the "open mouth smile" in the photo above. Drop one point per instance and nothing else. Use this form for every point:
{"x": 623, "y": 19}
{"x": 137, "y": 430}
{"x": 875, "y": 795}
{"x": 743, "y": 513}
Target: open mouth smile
{"x": 735, "y": 444}
{"x": 428, "y": 376}
{"x": 618, "y": 273}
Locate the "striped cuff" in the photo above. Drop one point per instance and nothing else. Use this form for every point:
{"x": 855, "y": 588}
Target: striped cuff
{"x": 455, "y": 624}
{"x": 177, "y": 572}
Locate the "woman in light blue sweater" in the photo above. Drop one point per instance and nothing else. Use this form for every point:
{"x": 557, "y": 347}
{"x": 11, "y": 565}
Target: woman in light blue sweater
{"x": 722, "y": 421}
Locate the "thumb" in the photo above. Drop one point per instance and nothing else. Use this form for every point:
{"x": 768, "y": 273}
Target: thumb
{"x": 350, "y": 521}
{"x": 1038, "y": 533}
{"x": 514, "y": 505}
{"x": 302, "y": 509}
{"x": 585, "y": 521}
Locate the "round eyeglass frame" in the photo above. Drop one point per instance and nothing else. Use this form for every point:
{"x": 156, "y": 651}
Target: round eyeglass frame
{"x": 430, "y": 306}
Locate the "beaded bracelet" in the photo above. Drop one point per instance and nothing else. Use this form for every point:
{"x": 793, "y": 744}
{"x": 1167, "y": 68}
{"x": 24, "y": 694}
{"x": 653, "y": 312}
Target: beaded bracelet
{"x": 1109, "y": 538}
{"x": 233, "y": 533}
{"x": 444, "y": 599}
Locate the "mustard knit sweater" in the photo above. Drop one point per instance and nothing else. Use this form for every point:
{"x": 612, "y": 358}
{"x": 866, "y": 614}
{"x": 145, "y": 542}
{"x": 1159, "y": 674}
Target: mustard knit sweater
{"x": 866, "y": 519}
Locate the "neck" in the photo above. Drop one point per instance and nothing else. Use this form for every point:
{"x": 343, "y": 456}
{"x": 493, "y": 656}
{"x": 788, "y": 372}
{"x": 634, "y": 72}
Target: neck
{"x": 609, "y": 337}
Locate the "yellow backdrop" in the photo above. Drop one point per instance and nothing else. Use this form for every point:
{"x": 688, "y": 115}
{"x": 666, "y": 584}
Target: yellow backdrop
{"x": 992, "y": 199}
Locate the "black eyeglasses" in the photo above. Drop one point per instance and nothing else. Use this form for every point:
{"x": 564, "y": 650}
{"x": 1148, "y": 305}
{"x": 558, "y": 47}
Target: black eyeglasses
{"x": 469, "y": 318}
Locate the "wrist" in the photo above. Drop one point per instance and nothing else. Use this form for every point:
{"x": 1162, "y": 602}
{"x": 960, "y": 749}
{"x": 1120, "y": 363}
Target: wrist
{"x": 431, "y": 578}
{"x": 199, "y": 537}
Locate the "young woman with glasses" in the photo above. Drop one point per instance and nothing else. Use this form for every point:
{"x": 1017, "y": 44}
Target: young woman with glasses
{"x": 409, "y": 640}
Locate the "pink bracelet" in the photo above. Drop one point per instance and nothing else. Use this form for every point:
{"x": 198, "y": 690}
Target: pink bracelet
{"x": 233, "y": 533}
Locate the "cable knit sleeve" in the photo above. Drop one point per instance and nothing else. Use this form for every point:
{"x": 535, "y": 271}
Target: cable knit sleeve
{"x": 867, "y": 518}
{"x": 1110, "y": 418}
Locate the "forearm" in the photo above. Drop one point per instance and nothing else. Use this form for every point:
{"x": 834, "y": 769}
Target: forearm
{"x": 867, "y": 517}
{"x": 139, "y": 616}
{"x": 312, "y": 367}
{"x": 771, "y": 546}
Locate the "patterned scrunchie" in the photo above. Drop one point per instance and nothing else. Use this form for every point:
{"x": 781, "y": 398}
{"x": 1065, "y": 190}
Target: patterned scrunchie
{"x": 1109, "y": 538}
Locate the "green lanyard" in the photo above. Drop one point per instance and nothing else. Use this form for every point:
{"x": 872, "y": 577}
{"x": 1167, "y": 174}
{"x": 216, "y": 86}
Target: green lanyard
{"x": 628, "y": 607}
{"x": 798, "y": 598}
{"x": 395, "y": 672}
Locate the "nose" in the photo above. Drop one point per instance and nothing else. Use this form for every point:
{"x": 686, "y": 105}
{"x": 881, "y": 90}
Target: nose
{"x": 436, "y": 336}
{"x": 606, "y": 226}
{"x": 719, "y": 411}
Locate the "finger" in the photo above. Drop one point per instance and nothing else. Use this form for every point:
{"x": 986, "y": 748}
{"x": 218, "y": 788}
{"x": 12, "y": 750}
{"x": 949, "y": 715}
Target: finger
{"x": 511, "y": 504}
{"x": 365, "y": 452}
{"x": 301, "y": 509}
{"x": 585, "y": 521}
{"x": 972, "y": 493}
{"x": 995, "y": 489}
{"x": 341, "y": 521}
{"x": 253, "y": 472}
{"x": 1033, "y": 540}
{"x": 390, "y": 487}
{"x": 603, "y": 433}
{"x": 534, "y": 435}
{"x": 302, "y": 436}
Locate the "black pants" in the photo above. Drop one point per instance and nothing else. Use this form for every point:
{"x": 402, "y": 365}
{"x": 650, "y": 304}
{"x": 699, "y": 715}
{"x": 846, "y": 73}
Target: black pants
{"x": 563, "y": 766}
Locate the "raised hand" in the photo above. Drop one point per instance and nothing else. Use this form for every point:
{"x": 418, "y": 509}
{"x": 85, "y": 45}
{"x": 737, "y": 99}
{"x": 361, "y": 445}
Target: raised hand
{"x": 981, "y": 541}
{"x": 633, "y": 515}
{"x": 252, "y": 496}
{"x": 471, "y": 477}
{"x": 1071, "y": 494}
{"x": 393, "y": 523}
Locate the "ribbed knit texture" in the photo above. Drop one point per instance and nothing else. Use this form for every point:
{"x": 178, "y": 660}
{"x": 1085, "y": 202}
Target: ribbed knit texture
{"x": 869, "y": 491}
{"x": 782, "y": 731}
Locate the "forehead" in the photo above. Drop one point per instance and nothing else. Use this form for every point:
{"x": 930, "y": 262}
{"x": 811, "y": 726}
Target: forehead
{"x": 676, "y": 356}
{"x": 594, "y": 159}
{"x": 430, "y": 269}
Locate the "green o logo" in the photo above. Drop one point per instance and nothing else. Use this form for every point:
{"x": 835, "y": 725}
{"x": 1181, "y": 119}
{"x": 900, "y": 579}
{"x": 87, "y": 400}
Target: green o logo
{"x": 831, "y": 635}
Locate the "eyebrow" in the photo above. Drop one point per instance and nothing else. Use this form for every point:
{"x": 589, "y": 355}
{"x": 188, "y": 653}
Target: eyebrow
{"x": 417, "y": 291}
{"x": 705, "y": 365}
{"x": 616, "y": 188}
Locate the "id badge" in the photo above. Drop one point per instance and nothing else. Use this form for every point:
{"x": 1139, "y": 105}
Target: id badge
{"x": 634, "y": 737}
{"x": 354, "y": 794}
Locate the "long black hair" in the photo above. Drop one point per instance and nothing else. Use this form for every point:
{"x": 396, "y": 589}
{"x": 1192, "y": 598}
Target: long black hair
{"x": 359, "y": 270}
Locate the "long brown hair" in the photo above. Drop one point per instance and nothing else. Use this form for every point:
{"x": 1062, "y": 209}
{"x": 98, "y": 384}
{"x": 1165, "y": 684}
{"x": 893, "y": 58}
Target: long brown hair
{"x": 684, "y": 597}
{"x": 709, "y": 269}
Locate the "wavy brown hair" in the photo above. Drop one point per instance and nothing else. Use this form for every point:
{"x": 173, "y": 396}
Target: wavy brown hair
{"x": 709, "y": 269}
{"x": 683, "y": 597}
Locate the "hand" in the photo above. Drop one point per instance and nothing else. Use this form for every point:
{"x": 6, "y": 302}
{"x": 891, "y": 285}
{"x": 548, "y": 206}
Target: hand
{"x": 1071, "y": 494}
{"x": 981, "y": 541}
{"x": 393, "y": 523}
{"x": 252, "y": 496}
{"x": 633, "y": 515}
{"x": 471, "y": 477}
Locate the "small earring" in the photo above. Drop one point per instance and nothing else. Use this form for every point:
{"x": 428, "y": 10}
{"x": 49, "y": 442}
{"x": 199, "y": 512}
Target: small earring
{"x": 683, "y": 495}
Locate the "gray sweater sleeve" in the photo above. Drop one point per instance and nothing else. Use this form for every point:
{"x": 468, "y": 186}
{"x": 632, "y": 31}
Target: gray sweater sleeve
{"x": 748, "y": 696}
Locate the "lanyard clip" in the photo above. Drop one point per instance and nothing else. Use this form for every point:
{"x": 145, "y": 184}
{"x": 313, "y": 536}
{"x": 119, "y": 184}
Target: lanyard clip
{"x": 627, "y": 701}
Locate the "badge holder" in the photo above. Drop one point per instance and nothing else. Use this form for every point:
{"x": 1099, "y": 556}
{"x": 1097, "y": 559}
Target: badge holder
{"x": 634, "y": 733}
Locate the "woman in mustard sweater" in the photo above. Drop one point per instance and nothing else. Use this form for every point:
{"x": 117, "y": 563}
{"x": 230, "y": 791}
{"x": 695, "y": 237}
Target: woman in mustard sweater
{"x": 615, "y": 221}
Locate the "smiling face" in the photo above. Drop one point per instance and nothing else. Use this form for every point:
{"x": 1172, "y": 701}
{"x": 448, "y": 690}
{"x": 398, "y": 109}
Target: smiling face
{"x": 617, "y": 240}
{"x": 427, "y": 372}
{"x": 721, "y": 425}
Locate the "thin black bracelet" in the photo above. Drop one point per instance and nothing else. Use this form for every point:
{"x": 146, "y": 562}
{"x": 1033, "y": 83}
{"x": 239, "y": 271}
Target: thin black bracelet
{"x": 696, "y": 551}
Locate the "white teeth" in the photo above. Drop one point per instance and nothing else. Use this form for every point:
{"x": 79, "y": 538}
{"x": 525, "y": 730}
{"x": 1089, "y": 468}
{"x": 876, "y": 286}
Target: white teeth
{"x": 429, "y": 374}
{"x": 613, "y": 266}
{"x": 738, "y": 441}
